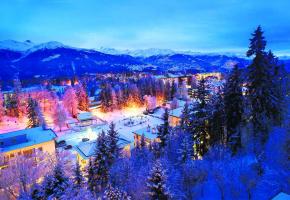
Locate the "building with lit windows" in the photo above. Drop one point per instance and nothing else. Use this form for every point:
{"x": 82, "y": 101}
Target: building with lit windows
{"x": 26, "y": 142}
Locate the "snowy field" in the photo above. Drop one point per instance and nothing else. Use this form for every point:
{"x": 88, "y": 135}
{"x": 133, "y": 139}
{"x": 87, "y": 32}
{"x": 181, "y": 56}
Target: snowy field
{"x": 127, "y": 121}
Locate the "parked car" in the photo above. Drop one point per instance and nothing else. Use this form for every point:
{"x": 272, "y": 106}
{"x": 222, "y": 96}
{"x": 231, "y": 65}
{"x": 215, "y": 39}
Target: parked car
{"x": 68, "y": 147}
{"x": 61, "y": 143}
{"x": 85, "y": 139}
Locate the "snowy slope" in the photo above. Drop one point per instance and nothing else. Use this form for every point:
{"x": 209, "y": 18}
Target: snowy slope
{"x": 15, "y": 45}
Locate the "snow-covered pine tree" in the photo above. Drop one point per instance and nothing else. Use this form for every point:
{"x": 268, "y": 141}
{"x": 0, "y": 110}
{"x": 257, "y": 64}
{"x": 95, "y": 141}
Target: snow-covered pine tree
{"x": 184, "y": 122}
{"x": 101, "y": 165}
{"x": 78, "y": 177}
{"x": 70, "y": 101}
{"x": 234, "y": 108}
{"x": 112, "y": 143}
{"x": 32, "y": 113}
{"x": 217, "y": 121}
{"x": 2, "y": 108}
{"x": 83, "y": 99}
{"x": 106, "y": 97}
{"x": 185, "y": 152}
{"x": 260, "y": 89}
{"x": 278, "y": 75}
{"x": 163, "y": 129}
{"x": 59, "y": 116}
{"x": 199, "y": 122}
{"x": 156, "y": 183}
{"x": 90, "y": 176}
{"x": 55, "y": 184}
{"x": 115, "y": 194}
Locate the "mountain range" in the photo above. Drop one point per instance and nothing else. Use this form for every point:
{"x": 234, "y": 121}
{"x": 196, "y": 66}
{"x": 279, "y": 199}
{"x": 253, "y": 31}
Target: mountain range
{"x": 54, "y": 59}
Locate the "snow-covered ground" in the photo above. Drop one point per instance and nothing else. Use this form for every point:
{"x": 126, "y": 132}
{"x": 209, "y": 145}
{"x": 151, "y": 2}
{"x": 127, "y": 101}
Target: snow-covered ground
{"x": 127, "y": 121}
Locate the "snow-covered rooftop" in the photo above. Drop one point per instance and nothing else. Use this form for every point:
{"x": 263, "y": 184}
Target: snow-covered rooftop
{"x": 25, "y": 138}
{"x": 150, "y": 133}
{"x": 87, "y": 149}
{"x": 85, "y": 116}
{"x": 176, "y": 112}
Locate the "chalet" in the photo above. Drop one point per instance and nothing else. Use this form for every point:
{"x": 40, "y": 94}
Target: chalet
{"x": 150, "y": 135}
{"x": 26, "y": 142}
{"x": 86, "y": 150}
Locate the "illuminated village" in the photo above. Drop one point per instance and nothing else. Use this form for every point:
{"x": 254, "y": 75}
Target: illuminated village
{"x": 135, "y": 100}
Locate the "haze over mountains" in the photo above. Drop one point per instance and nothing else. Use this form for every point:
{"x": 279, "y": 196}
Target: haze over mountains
{"x": 54, "y": 59}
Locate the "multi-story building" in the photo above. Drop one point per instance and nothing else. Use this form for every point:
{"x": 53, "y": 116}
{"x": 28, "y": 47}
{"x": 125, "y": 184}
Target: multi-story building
{"x": 26, "y": 142}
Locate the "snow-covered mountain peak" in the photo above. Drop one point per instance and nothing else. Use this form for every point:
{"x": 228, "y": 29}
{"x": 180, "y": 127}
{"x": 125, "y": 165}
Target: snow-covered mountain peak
{"x": 47, "y": 45}
{"x": 15, "y": 45}
{"x": 137, "y": 52}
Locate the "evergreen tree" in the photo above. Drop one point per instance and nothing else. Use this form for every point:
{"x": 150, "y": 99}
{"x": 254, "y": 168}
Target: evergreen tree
{"x": 55, "y": 185}
{"x": 217, "y": 121}
{"x": 185, "y": 152}
{"x": 106, "y": 97}
{"x": 101, "y": 165}
{"x": 78, "y": 177}
{"x": 260, "y": 90}
{"x": 199, "y": 122}
{"x": 112, "y": 139}
{"x": 90, "y": 176}
{"x": 163, "y": 129}
{"x": 278, "y": 76}
{"x": 184, "y": 122}
{"x": 33, "y": 114}
{"x": 233, "y": 100}
{"x": 156, "y": 183}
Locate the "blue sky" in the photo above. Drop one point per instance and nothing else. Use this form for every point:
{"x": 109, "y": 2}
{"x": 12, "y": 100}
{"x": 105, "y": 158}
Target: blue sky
{"x": 198, "y": 25}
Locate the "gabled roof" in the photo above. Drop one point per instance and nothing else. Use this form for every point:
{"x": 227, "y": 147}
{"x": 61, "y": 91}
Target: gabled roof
{"x": 25, "y": 138}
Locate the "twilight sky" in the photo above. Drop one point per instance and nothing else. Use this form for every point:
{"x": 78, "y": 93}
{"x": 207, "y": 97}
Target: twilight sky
{"x": 198, "y": 25}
